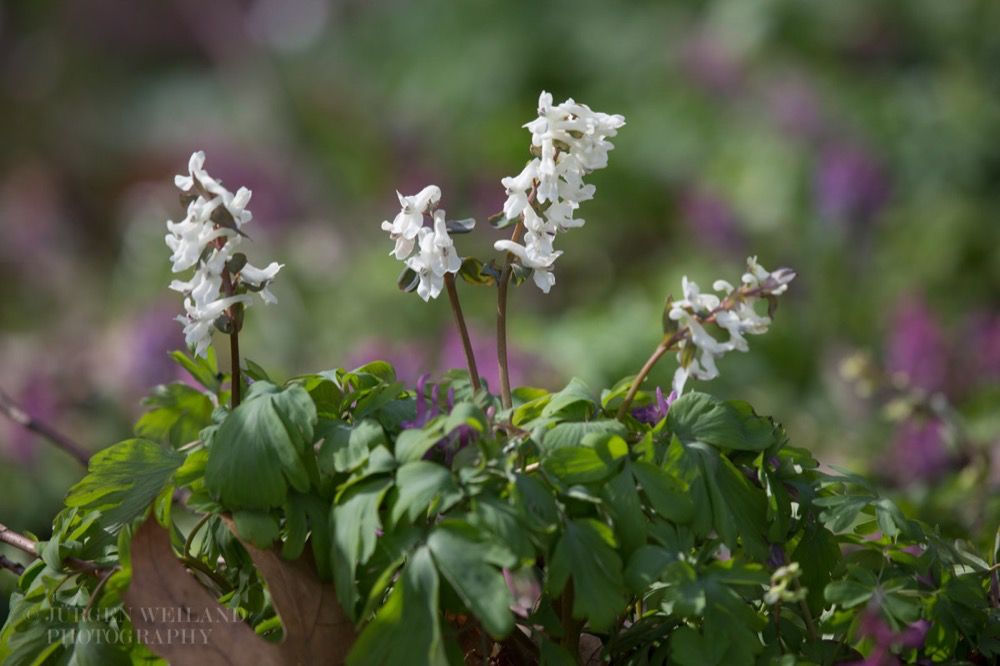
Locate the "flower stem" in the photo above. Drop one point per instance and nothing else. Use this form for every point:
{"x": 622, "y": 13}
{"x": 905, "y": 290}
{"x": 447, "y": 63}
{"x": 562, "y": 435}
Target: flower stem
{"x": 234, "y": 359}
{"x": 456, "y": 308}
{"x": 502, "y": 321}
{"x": 234, "y": 342}
{"x": 658, "y": 353}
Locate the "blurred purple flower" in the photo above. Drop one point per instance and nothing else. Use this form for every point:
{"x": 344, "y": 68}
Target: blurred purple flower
{"x": 919, "y": 452}
{"x": 795, "y": 108}
{"x": 850, "y": 184}
{"x": 36, "y": 399}
{"x": 978, "y": 361}
{"x": 654, "y": 412}
{"x": 711, "y": 220}
{"x": 151, "y": 338}
{"x": 776, "y": 555}
{"x": 408, "y": 359}
{"x": 707, "y": 62}
{"x": 526, "y": 589}
{"x": 871, "y": 625}
{"x": 916, "y": 348}
{"x": 523, "y": 367}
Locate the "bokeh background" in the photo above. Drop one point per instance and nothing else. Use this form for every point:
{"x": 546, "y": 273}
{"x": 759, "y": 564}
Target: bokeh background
{"x": 853, "y": 141}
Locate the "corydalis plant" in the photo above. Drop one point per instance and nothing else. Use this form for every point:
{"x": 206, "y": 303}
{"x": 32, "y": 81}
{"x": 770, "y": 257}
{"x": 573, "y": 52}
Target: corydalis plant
{"x": 207, "y": 240}
{"x": 569, "y": 141}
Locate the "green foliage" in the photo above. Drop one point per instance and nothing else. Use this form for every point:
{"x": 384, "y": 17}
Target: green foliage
{"x": 659, "y": 543}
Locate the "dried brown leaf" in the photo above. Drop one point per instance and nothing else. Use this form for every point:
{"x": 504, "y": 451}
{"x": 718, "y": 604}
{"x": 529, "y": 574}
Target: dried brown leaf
{"x": 178, "y": 619}
{"x": 316, "y": 628}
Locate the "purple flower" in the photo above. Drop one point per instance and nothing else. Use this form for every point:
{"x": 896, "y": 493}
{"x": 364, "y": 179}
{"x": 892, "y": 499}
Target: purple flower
{"x": 710, "y": 65}
{"x": 776, "y": 556}
{"x": 916, "y": 347}
{"x": 871, "y": 625}
{"x": 711, "y": 220}
{"x": 654, "y": 412}
{"x": 919, "y": 452}
{"x": 850, "y": 183}
{"x": 425, "y": 412}
{"x": 795, "y": 107}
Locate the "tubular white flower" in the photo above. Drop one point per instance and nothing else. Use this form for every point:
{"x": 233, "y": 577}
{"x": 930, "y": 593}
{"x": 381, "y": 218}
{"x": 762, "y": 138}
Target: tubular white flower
{"x": 407, "y": 224}
{"x": 436, "y": 258}
{"x": 198, "y": 241}
{"x": 569, "y": 141}
{"x": 734, "y": 314}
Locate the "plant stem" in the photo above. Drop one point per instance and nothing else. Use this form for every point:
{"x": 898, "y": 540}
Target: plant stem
{"x": 234, "y": 359}
{"x": 21, "y": 542}
{"x": 234, "y": 343}
{"x": 502, "y": 320}
{"x": 11, "y": 565}
{"x": 20, "y": 417}
{"x": 456, "y": 308}
{"x": 658, "y": 353}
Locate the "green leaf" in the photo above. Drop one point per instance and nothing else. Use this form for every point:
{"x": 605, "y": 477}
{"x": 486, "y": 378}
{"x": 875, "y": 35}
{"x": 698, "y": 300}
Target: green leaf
{"x": 468, "y": 414}
{"x": 583, "y": 464}
{"x": 817, "y": 554}
{"x": 263, "y": 447}
{"x": 370, "y": 375}
{"x": 553, "y": 654}
{"x": 258, "y": 527}
{"x": 623, "y": 502}
{"x": 573, "y": 402}
{"x": 412, "y": 444}
{"x": 407, "y": 628}
{"x": 847, "y": 593}
{"x": 355, "y": 526}
{"x": 645, "y": 567}
{"x": 536, "y": 502}
{"x": 420, "y": 483}
{"x": 699, "y": 417}
{"x": 572, "y": 434}
{"x": 178, "y": 413}
{"x": 587, "y": 551}
{"x": 255, "y": 372}
{"x": 668, "y": 495}
{"x": 469, "y": 562}
{"x": 205, "y": 371}
{"x": 124, "y": 480}
{"x": 501, "y": 519}
{"x": 474, "y": 272}
{"x": 345, "y": 447}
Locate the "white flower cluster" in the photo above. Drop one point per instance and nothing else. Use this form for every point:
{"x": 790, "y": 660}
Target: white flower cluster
{"x": 735, "y": 314}
{"x": 436, "y": 255}
{"x": 570, "y": 141}
{"x": 207, "y": 239}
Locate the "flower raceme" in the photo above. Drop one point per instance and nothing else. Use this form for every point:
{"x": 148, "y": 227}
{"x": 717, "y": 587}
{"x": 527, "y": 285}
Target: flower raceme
{"x": 735, "y": 314}
{"x": 207, "y": 240}
{"x": 436, "y": 255}
{"x": 569, "y": 141}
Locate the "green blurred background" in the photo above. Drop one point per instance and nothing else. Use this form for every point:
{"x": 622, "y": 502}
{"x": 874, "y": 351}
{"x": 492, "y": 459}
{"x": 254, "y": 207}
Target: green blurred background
{"x": 853, "y": 141}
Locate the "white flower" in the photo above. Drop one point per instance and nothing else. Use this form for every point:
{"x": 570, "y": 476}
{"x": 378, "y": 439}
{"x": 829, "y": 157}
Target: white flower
{"x": 735, "y": 314}
{"x": 518, "y": 188}
{"x": 435, "y": 258}
{"x": 536, "y": 253}
{"x": 569, "y": 141}
{"x": 198, "y": 241}
{"x": 261, "y": 279}
{"x": 410, "y": 219}
{"x": 757, "y": 277}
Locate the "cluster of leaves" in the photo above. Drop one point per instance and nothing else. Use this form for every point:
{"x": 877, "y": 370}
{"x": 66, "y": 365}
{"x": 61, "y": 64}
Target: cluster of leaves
{"x": 342, "y": 516}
